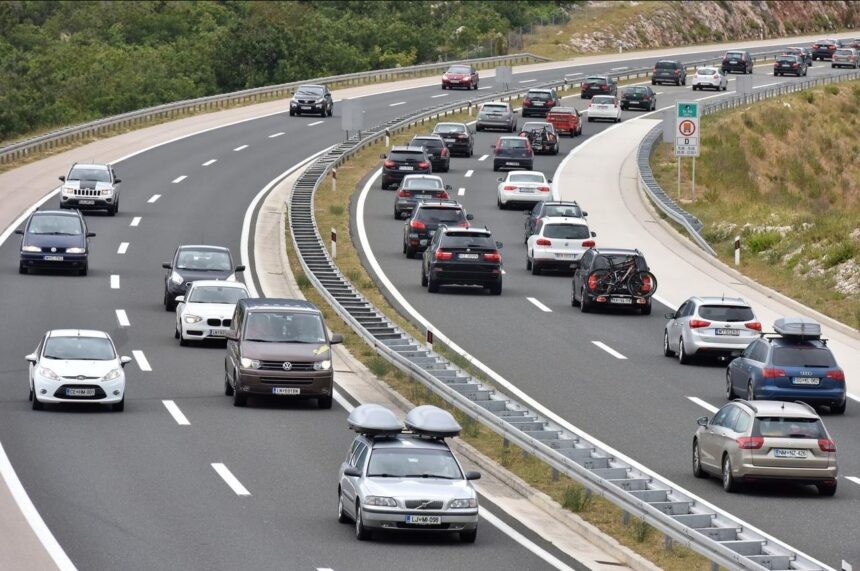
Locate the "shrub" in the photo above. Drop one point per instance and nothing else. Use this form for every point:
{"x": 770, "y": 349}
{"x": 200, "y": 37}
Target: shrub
{"x": 762, "y": 241}
{"x": 832, "y": 89}
{"x": 576, "y": 498}
{"x": 838, "y": 253}
{"x": 379, "y": 366}
{"x": 809, "y": 96}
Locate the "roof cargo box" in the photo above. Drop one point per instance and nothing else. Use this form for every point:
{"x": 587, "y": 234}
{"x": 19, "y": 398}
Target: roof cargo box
{"x": 374, "y": 420}
{"x": 428, "y": 420}
{"x": 797, "y": 327}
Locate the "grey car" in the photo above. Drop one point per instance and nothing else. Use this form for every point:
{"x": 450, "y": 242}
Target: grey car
{"x": 405, "y": 481}
{"x": 497, "y": 115}
{"x": 715, "y": 326}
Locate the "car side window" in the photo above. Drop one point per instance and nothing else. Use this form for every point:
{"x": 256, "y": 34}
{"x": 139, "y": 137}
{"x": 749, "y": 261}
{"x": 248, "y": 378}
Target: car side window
{"x": 731, "y": 417}
{"x": 742, "y": 423}
{"x": 721, "y": 415}
{"x": 360, "y": 456}
{"x": 585, "y": 261}
{"x": 747, "y": 353}
{"x": 350, "y": 456}
{"x": 682, "y": 311}
{"x": 760, "y": 352}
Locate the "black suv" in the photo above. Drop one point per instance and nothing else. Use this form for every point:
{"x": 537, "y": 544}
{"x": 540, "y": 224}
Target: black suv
{"x": 462, "y": 256}
{"x": 538, "y": 102}
{"x": 613, "y": 277}
{"x": 669, "y": 71}
{"x": 416, "y": 188}
{"x": 402, "y": 161}
{"x": 639, "y": 96}
{"x": 440, "y": 157}
{"x": 795, "y": 65}
{"x": 737, "y": 60}
{"x": 457, "y": 136}
{"x": 550, "y": 208}
{"x": 823, "y": 49}
{"x": 312, "y": 99}
{"x": 426, "y": 219}
{"x": 598, "y": 85}
{"x": 54, "y": 239}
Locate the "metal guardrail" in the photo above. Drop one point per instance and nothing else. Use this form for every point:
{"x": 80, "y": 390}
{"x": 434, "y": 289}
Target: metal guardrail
{"x": 667, "y": 204}
{"x": 690, "y": 521}
{"x": 78, "y": 133}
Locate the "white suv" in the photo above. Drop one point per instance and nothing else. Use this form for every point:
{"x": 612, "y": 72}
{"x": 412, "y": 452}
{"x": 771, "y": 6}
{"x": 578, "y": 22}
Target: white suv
{"x": 90, "y": 187}
{"x": 558, "y": 243}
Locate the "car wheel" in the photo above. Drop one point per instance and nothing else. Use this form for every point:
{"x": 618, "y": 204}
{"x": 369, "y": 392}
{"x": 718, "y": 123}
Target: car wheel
{"x": 471, "y": 152}
{"x": 292, "y": 113}
{"x": 618, "y": 119}
{"x": 535, "y": 268}
{"x": 496, "y": 289}
{"x": 729, "y": 483}
{"x": 324, "y": 403}
{"x": 725, "y": 87}
{"x": 590, "y": 120}
{"x": 750, "y": 391}
{"x": 653, "y": 83}
{"x": 410, "y": 252}
{"x": 697, "y": 461}
{"x": 37, "y": 404}
{"x": 667, "y": 351}
{"x": 22, "y": 269}
{"x": 775, "y": 74}
{"x": 228, "y": 388}
{"x": 826, "y": 490}
{"x": 361, "y": 532}
{"x": 839, "y": 409}
{"x": 469, "y": 536}
{"x": 730, "y": 389}
{"x": 584, "y": 304}
{"x": 423, "y": 277}
{"x": 118, "y": 406}
{"x": 83, "y": 271}
{"x": 683, "y": 358}
{"x": 646, "y": 309}
{"x": 341, "y": 513}
{"x": 239, "y": 399}
{"x": 169, "y": 304}
{"x": 432, "y": 285}
{"x": 500, "y": 204}
{"x": 30, "y": 397}
{"x": 695, "y": 88}
{"x": 113, "y": 210}
{"x": 528, "y": 263}
{"x": 183, "y": 342}
{"x": 331, "y": 111}
{"x": 175, "y": 333}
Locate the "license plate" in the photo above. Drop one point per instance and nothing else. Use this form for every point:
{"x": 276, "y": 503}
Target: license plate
{"x": 424, "y": 519}
{"x": 454, "y": 80}
{"x": 423, "y": 196}
{"x": 511, "y": 163}
{"x": 526, "y": 190}
{"x": 538, "y": 104}
{"x": 87, "y": 202}
{"x": 468, "y": 256}
{"x": 621, "y": 300}
{"x": 805, "y": 380}
{"x": 450, "y": 140}
{"x": 216, "y": 332}
{"x": 407, "y": 168}
{"x": 53, "y": 258}
{"x": 734, "y": 332}
{"x": 306, "y": 107}
{"x": 80, "y": 392}
{"x": 422, "y": 242}
{"x": 285, "y": 391}
{"x": 564, "y": 256}
{"x": 789, "y": 453}
{"x": 733, "y": 61}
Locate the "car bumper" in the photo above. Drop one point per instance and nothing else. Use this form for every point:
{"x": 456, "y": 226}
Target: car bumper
{"x": 458, "y": 146}
{"x": 707, "y": 83}
{"x": 43, "y": 261}
{"x": 748, "y": 471}
{"x": 457, "y": 276}
{"x": 734, "y": 67}
{"x": 467, "y": 83}
{"x": 466, "y": 520}
{"x": 200, "y": 331}
{"x": 696, "y": 344}
{"x": 813, "y": 397}
{"x": 311, "y": 108}
{"x": 604, "y": 115}
{"x": 536, "y": 111}
{"x": 526, "y": 164}
{"x": 524, "y": 197}
{"x": 637, "y": 103}
{"x": 256, "y": 382}
{"x": 440, "y": 164}
{"x": 494, "y": 124}
{"x": 667, "y": 78}
{"x": 559, "y": 258}
{"x": 791, "y": 70}
{"x": 50, "y": 391}
{"x": 620, "y": 301}
{"x": 87, "y": 203}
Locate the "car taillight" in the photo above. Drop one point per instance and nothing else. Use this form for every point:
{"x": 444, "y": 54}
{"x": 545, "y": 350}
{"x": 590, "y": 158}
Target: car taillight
{"x": 464, "y": 224}
{"x": 677, "y": 72}
{"x": 389, "y": 164}
{"x": 776, "y": 64}
{"x": 443, "y": 195}
{"x": 592, "y": 282}
{"x": 509, "y": 187}
{"x": 551, "y": 102}
{"x": 743, "y": 57}
{"x": 837, "y": 375}
{"x": 698, "y": 323}
{"x": 647, "y": 98}
{"x": 543, "y": 242}
{"x": 753, "y": 325}
{"x": 826, "y": 445}
{"x": 543, "y": 188}
{"x": 814, "y": 46}
{"x": 750, "y": 442}
{"x": 771, "y": 373}
{"x": 604, "y": 87}
{"x": 443, "y": 255}
{"x": 417, "y": 225}
{"x": 423, "y": 165}
{"x": 831, "y": 48}
{"x": 794, "y": 65}
{"x": 404, "y": 193}
{"x": 717, "y": 76}
{"x": 588, "y": 244}
{"x": 615, "y": 103}
{"x": 583, "y": 85}
{"x": 444, "y": 152}
{"x": 493, "y": 257}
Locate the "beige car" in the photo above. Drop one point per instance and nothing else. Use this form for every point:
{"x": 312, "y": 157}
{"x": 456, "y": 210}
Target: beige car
{"x": 750, "y": 441}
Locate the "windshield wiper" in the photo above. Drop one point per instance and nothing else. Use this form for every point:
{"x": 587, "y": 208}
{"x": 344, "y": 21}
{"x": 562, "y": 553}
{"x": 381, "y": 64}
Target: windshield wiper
{"x": 261, "y": 340}
{"x": 383, "y": 476}
{"x": 430, "y": 476}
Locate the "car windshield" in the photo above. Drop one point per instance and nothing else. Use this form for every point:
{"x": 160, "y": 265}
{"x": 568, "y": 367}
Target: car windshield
{"x": 80, "y": 173}
{"x": 440, "y": 215}
{"x": 602, "y": 261}
{"x": 525, "y": 177}
{"x": 79, "y": 349}
{"x": 513, "y": 143}
{"x": 491, "y": 108}
{"x": 562, "y": 210}
{"x": 432, "y": 143}
{"x": 803, "y": 355}
{"x": 667, "y": 65}
{"x": 730, "y": 313}
{"x": 449, "y": 128}
{"x": 598, "y": 100}
{"x": 566, "y": 231}
{"x": 459, "y": 69}
{"x": 217, "y": 294}
{"x": 204, "y": 260}
{"x": 455, "y": 240}
{"x": 423, "y": 184}
{"x": 284, "y": 327}
{"x": 706, "y": 71}
{"x": 58, "y": 225}
{"x": 310, "y": 91}
{"x": 413, "y": 463}
{"x": 787, "y": 427}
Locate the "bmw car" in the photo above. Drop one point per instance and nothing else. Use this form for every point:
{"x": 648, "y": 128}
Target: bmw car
{"x": 206, "y": 310}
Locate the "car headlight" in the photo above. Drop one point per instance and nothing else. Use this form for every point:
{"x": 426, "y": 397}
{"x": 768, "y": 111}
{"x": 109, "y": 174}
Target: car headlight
{"x": 249, "y": 363}
{"x": 75, "y": 250}
{"x": 231, "y": 278}
{"x": 193, "y": 318}
{"x": 322, "y": 365}
{"x": 463, "y": 503}
{"x": 175, "y": 278}
{"x": 380, "y": 501}
{"x": 319, "y": 101}
{"x": 48, "y": 374}
{"x": 107, "y": 191}
{"x": 68, "y": 190}
{"x": 112, "y": 375}
{"x": 31, "y": 249}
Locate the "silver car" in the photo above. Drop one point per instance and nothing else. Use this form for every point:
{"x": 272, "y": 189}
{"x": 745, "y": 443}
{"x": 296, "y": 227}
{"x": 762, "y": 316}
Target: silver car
{"x": 718, "y": 326}
{"x": 497, "y": 115}
{"x": 405, "y": 481}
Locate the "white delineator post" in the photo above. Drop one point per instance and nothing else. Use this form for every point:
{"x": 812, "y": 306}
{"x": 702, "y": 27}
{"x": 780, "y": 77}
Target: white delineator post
{"x": 387, "y": 138}
{"x": 333, "y": 243}
{"x": 737, "y": 250}
{"x": 334, "y": 180}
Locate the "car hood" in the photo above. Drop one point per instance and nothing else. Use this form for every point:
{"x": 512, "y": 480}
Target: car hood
{"x": 77, "y": 184}
{"x": 418, "y": 488}
{"x": 194, "y": 275}
{"x": 54, "y": 241}
{"x": 285, "y": 351}
{"x": 66, "y": 368}
{"x": 206, "y": 310}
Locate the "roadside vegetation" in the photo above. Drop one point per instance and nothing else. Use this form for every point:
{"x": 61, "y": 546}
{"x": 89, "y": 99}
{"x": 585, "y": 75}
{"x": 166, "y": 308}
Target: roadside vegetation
{"x": 783, "y": 175}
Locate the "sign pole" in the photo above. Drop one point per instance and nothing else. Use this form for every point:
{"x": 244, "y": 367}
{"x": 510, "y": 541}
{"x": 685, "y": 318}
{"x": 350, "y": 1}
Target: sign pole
{"x": 737, "y": 250}
{"x": 679, "y": 178}
{"x": 693, "y": 189}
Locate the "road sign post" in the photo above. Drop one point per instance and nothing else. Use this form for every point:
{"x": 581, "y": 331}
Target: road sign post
{"x": 687, "y": 136}
{"x": 504, "y": 76}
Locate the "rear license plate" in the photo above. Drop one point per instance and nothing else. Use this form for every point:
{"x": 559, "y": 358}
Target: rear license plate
{"x": 80, "y": 392}
{"x": 511, "y": 163}
{"x": 468, "y": 256}
{"x": 216, "y": 332}
{"x": 526, "y": 190}
{"x": 538, "y": 103}
{"x": 734, "y": 61}
{"x": 450, "y": 140}
{"x": 621, "y": 300}
{"x": 53, "y": 258}
{"x": 789, "y": 453}
{"x": 285, "y": 391}
{"x": 86, "y": 202}
{"x": 564, "y": 256}
{"x": 734, "y": 332}
{"x": 423, "y": 196}
{"x": 424, "y": 519}
{"x": 404, "y": 168}
{"x": 805, "y": 380}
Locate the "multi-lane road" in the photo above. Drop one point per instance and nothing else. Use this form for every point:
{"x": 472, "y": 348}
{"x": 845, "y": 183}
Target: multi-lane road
{"x": 144, "y": 490}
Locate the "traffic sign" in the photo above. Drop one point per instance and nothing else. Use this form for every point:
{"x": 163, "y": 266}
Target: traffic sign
{"x": 687, "y": 129}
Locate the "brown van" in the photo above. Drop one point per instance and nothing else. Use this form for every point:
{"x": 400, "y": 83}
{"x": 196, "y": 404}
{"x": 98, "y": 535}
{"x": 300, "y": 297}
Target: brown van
{"x": 279, "y": 348}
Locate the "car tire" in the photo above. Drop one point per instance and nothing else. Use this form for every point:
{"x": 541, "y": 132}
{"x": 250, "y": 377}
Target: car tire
{"x": 496, "y": 289}
{"x": 750, "y": 391}
{"x": 730, "y": 389}
{"x": 331, "y": 111}
{"x": 653, "y": 83}
{"x": 495, "y": 167}
{"x": 410, "y": 252}
{"x": 500, "y": 204}
{"x": 590, "y": 120}
{"x": 30, "y": 397}
{"x": 342, "y": 517}
{"x": 83, "y": 271}
{"x": 175, "y": 333}
{"x": 37, "y": 404}
{"x": 646, "y": 309}
{"x": 667, "y": 351}
{"x": 729, "y": 483}
{"x": 825, "y": 490}
{"x": 725, "y": 87}
{"x": 239, "y": 399}
{"x": 423, "y": 277}
{"x": 573, "y": 301}
{"x": 683, "y": 358}
{"x": 618, "y": 119}
{"x": 22, "y": 269}
{"x": 228, "y": 388}
{"x": 118, "y": 406}
{"x": 839, "y": 409}
{"x": 695, "y": 88}
{"x": 584, "y": 304}
{"x": 169, "y": 305}
{"x": 361, "y": 532}
{"x": 183, "y": 342}
{"x": 697, "y": 461}
{"x": 535, "y": 268}
{"x": 113, "y": 210}
{"x": 324, "y": 403}
{"x": 432, "y": 285}
{"x": 469, "y": 536}
{"x": 528, "y": 263}
{"x": 471, "y": 152}
{"x": 775, "y": 74}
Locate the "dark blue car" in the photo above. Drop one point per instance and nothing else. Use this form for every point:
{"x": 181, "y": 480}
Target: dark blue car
{"x": 789, "y": 369}
{"x": 55, "y": 240}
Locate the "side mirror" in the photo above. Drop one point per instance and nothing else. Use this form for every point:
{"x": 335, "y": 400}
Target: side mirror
{"x": 499, "y": 245}
{"x": 702, "y": 421}
{"x": 670, "y": 315}
{"x": 63, "y": 178}
{"x": 19, "y": 231}
{"x": 167, "y": 266}
{"x": 470, "y": 217}
{"x": 32, "y": 358}
{"x": 124, "y": 360}
{"x": 117, "y": 180}
{"x": 594, "y": 234}
{"x": 352, "y": 472}
{"x": 180, "y": 299}
{"x": 240, "y": 268}
{"x": 501, "y": 179}
{"x": 231, "y": 336}
{"x": 584, "y": 213}
{"x": 91, "y": 234}
{"x": 471, "y": 475}
{"x": 336, "y": 339}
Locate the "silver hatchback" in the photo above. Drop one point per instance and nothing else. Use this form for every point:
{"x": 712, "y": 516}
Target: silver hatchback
{"x": 497, "y": 115}
{"x": 714, "y": 326}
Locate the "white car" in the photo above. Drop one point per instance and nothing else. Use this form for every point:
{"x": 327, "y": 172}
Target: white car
{"x": 558, "y": 243}
{"x": 206, "y": 310}
{"x": 709, "y": 78}
{"x": 523, "y": 187}
{"x": 77, "y": 365}
{"x": 604, "y": 107}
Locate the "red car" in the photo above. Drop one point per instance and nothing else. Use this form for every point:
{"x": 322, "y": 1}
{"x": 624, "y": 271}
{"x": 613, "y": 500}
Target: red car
{"x": 460, "y": 76}
{"x": 565, "y": 120}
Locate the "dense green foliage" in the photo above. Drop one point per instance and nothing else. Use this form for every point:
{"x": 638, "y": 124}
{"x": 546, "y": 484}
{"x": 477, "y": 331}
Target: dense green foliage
{"x": 67, "y": 62}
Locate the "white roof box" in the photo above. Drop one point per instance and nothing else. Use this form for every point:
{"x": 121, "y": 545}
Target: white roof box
{"x": 797, "y": 327}
{"x": 374, "y": 420}
{"x": 428, "y": 420}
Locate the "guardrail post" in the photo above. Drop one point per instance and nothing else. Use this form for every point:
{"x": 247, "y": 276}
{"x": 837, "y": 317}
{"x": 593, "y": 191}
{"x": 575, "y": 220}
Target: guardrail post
{"x": 387, "y": 138}
{"x": 555, "y": 475}
{"x": 668, "y": 543}
{"x": 625, "y": 517}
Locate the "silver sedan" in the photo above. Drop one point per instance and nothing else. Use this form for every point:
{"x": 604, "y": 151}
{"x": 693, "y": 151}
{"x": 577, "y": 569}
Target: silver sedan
{"x": 717, "y": 326}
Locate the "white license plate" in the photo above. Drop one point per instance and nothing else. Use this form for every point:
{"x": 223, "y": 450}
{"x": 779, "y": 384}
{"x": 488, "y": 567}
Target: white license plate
{"x": 734, "y": 332}
{"x": 526, "y": 190}
{"x": 423, "y": 196}
{"x": 306, "y": 107}
{"x": 217, "y": 332}
{"x": 87, "y": 202}
{"x": 450, "y": 140}
{"x": 564, "y": 256}
{"x": 468, "y": 256}
{"x": 422, "y": 242}
{"x": 512, "y": 163}
{"x": 805, "y": 380}
{"x": 621, "y": 300}
{"x": 454, "y": 80}
{"x": 53, "y": 258}
{"x": 538, "y": 103}
{"x": 80, "y": 392}
{"x": 424, "y": 519}
{"x": 407, "y": 168}
{"x": 286, "y": 391}
{"x": 789, "y": 453}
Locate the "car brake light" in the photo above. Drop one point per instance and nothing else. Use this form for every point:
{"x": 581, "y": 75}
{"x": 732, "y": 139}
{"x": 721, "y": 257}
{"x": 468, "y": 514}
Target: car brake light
{"x": 493, "y": 257}
{"x": 389, "y": 164}
{"x": 551, "y": 102}
{"x": 717, "y": 76}
{"x": 677, "y": 72}
{"x": 417, "y": 225}
{"x": 698, "y": 323}
{"x": 509, "y": 187}
{"x": 444, "y": 152}
{"x": 588, "y": 244}
{"x": 794, "y": 65}
{"x": 750, "y": 442}
{"x": 604, "y": 87}
{"x": 543, "y": 242}
{"x": 443, "y": 195}
{"x": 592, "y": 282}
{"x": 583, "y": 85}
{"x": 837, "y": 375}
{"x": 770, "y": 373}
{"x": 826, "y": 445}
{"x": 776, "y": 64}
{"x": 814, "y": 45}
{"x": 753, "y": 325}
{"x": 653, "y": 70}
{"x": 404, "y": 193}
{"x": 423, "y": 165}
{"x": 543, "y": 188}
{"x": 463, "y": 224}
{"x": 462, "y": 136}
{"x": 443, "y": 255}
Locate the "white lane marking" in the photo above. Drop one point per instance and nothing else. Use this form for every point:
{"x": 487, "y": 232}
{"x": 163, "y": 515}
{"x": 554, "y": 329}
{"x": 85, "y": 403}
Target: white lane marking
{"x": 618, "y": 68}
{"x": 461, "y": 191}
{"x": 468, "y": 173}
{"x": 209, "y": 162}
{"x": 122, "y": 317}
{"x": 315, "y": 123}
{"x": 483, "y": 157}
{"x": 528, "y": 80}
{"x": 659, "y": 92}
{"x": 324, "y": 569}
{"x": 114, "y": 281}
{"x": 153, "y": 198}
{"x": 438, "y": 96}
{"x": 573, "y": 74}
{"x": 854, "y": 479}
{"x": 608, "y": 349}
{"x": 136, "y": 220}
{"x": 482, "y": 88}
{"x": 123, "y": 248}
{"x": 398, "y": 103}
{"x": 28, "y": 510}
{"x": 705, "y": 405}
{"x": 539, "y": 305}
{"x": 174, "y": 411}
{"x": 141, "y": 360}
{"x": 240, "y": 147}
{"x": 230, "y": 479}
{"x": 851, "y": 396}
{"x": 274, "y": 135}
{"x": 179, "y": 179}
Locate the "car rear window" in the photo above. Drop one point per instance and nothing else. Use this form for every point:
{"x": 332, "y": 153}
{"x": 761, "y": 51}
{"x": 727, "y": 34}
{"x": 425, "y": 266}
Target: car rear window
{"x": 667, "y": 65}
{"x": 601, "y": 262}
{"x": 513, "y": 143}
{"x": 534, "y": 126}
{"x": 405, "y": 155}
{"x": 566, "y": 231}
{"x": 803, "y": 355}
{"x": 596, "y": 80}
{"x": 464, "y": 240}
{"x": 734, "y": 55}
{"x": 786, "y": 59}
{"x": 494, "y": 108}
{"x": 707, "y": 71}
{"x": 525, "y": 177}
{"x": 603, "y": 100}
{"x": 788, "y": 427}
{"x": 432, "y": 143}
{"x": 638, "y": 89}
{"x": 729, "y": 313}
{"x": 427, "y": 183}
{"x": 563, "y": 210}
{"x": 540, "y": 95}
{"x": 440, "y": 215}
{"x": 449, "y": 128}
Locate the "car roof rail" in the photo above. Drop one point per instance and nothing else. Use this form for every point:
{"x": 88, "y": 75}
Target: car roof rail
{"x": 748, "y": 403}
{"x": 807, "y": 406}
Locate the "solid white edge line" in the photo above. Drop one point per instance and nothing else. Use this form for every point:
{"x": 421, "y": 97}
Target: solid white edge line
{"x": 315, "y": 123}
{"x": 705, "y": 405}
{"x": 209, "y": 162}
{"x": 153, "y": 198}
{"x": 135, "y": 221}
{"x": 177, "y": 414}
{"x": 468, "y": 173}
{"x": 539, "y": 305}
{"x": 141, "y": 360}
{"x": 608, "y": 349}
{"x": 241, "y": 147}
{"x": 231, "y": 480}
{"x": 28, "y": 510}
{"x": 854, "y": 479}
{"x": 461, "y": 191}
{"x": 853, "y": 397}
{"x": 123, "y": 248}
{"x": 179, "y": 179}
{"x": 114, "y": 281}
{"x": 398, "y": 103}
{"x": 438, "y": 96}
{"x": 122, "y": 318}
{"x": 527, "y": 80}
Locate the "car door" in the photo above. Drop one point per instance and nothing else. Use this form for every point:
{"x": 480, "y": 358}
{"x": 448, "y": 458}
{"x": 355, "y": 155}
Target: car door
{"x": 708, "y": 438}
{"x": 674, "y": 326}
{"x": 722, "y": 438}
{"x": 38, "y": 352}
{"x": 349, "y": 484}
{"x": 233, "y": 336}
{"x": 738, "y": 367}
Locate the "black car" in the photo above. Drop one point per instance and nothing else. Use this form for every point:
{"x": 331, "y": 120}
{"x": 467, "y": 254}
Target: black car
{"x": 737, "y": 60}
{"x": 538, "y": 102}
{"x": 462, "y": 256}
{"x": 805, "y": 53}
{"x": 549, "y": 208}
{"x": 402, "y": 161}
{"x": 795, "y": 65}
{"x": 541, "y": 136}
{"x": 312, "y": 100}
{"x": 54, "y": 239}
{"x": 192, "y": 263}
{"x": 457, "y": 136}
{"x": 823, "y": 49}
{"x": 641, "y": 96}
{"x": 612, "y": 277}
{"x": 669, "y": 71}
{"x": 513, "y": 153}
{"x": 415, "y": 188}
{"x": 437, "y": 150}
{"x": 426, "y": 219}
{"x": 598, "y": 85}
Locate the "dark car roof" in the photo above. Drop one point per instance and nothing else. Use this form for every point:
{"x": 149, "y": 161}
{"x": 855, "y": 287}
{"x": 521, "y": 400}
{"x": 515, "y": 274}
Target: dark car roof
{"x": 277, "y": 303}
{"x": 617, "y": 251}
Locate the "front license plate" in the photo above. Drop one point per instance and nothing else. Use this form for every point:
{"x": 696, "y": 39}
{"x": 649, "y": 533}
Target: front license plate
{"x": 216, "y": 332}
{"x": 424, "y": 519}
{"x": 80, "y": 392}
{"x": 468, "y": 256}
{"x": 621, "y": 300}
{"x": 789, "y": 453}
{"x": 306, "y": 107}
{"x": 407, "y": 168}
{"x": 53, "y": 258}
{"x": 86, "y": 202}
{"x": 734, "y": 332}
{"x": 805, "y": 380}
{"x": 286, "y": 391}
{"x": 454, "y": 80}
